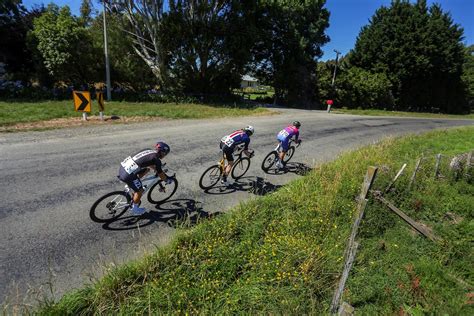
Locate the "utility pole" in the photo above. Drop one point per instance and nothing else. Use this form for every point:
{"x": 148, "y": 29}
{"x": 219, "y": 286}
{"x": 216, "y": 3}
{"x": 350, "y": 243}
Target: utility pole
{"x": 335, "y": 67}
{"x": 107, "y": 67}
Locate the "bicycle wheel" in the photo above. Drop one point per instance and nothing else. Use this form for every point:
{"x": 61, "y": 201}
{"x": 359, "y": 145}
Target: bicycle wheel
{"x": 269, "y": 161}
{"x": 240, "y": 167}
{"x": 289, "y": 154}
{"x": 161, "y": 192}
{"x": 210, "y": 177}
{"x": 110, "y": 206}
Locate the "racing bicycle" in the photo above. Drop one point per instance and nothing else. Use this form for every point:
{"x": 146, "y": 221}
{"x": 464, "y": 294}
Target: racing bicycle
{"x": 113, "y": 204}
{"x": 272, "y": 158}
{"x": 214, "y": 173}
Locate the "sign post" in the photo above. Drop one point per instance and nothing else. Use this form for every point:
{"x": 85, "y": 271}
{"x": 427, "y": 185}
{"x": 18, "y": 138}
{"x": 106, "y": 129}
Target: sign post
{"x": 100, "y": 101}
{"x": 329, "y": 103}
{"x": 82, "y": 102}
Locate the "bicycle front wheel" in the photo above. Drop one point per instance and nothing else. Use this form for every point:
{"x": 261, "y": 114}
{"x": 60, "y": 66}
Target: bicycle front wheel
{"x": 161, "y": 192}
{"x": 240, "y": 167}
{"x": 110, "y": 206}
{"x": 269, "y": 161}
{"x": 210, "y": 177}
{"x": 289, "y": 154}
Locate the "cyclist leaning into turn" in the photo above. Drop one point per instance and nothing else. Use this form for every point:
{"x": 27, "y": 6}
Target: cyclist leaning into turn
{"x": 284, "y": 137}
{"x": 230, "y": 142}
{"x": 137, "y": 166}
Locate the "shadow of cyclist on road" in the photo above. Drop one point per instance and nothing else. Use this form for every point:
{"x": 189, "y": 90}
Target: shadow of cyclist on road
{"x": 255, "y": 185}
{"x": 174, "y": 213}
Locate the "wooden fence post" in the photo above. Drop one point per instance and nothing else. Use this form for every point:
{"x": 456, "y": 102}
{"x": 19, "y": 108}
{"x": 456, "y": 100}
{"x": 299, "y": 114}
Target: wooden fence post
{"x": 413, "y": 176}
{"x": 396, "y": 178}
{"x": 352, "y": 245}
{"x": 438, "y": 160}
{"x": 422, "y": 230}
{"x": 468, "y": 165}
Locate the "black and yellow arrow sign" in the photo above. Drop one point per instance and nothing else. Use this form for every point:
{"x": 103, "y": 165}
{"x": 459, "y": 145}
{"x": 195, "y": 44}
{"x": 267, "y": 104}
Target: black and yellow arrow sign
{"x": 100, "y": 101}
{"x": 82, "y": 101}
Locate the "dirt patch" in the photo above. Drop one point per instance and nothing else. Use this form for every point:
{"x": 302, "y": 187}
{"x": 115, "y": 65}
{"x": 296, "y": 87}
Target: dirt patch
{"x": 75, "y": 121}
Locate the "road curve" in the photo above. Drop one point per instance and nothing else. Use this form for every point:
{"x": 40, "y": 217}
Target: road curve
{"x": 50, "y": 179}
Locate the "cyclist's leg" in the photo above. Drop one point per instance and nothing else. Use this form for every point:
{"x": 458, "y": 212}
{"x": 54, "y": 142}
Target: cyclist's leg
{"x": 284, "y": 149}
{"x": 134, "y": 183}
{"x": 228, "y": 155}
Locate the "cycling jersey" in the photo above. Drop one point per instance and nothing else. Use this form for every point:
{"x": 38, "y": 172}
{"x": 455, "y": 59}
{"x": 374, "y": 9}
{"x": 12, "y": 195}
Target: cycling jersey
{"x": 132, "y": 165}
{"x": 236, "y": 138}
{"x": 286, "y": 134}
{"x": 229, "y": 142}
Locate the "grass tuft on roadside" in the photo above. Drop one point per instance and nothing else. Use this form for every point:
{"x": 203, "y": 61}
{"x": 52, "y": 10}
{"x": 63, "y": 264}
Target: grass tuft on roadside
{"x": 283, "y": 253}
{"x": 20, "y": 112}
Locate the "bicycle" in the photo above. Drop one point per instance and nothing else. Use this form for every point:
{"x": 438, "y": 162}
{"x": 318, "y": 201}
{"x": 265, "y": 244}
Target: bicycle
{"x": 214, "y": 173}
{"x": 118, "y": 202}
{"x": 272, "y": 158}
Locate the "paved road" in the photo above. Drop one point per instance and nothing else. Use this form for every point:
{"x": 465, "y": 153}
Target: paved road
{"x": 50, "y": 179}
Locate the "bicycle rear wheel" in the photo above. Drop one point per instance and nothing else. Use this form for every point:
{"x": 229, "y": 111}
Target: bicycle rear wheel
{"x": 240, "y": 167}
{"x": 161, "y": 192}
{"x": 110, "y": 206}
{"x": 269, "y": 161}
{"x": 210, "y": 177}
{"x": 289, "y": 154}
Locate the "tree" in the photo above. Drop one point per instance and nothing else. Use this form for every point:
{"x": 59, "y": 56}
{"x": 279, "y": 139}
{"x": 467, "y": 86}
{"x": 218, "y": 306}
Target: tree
{"x": 289, "y": 42}
{"x": 66, "y": 46}
{"x": 209, "y": 44}
{"x": 468, "y": 74}
{"x": 14, "y": 26}
{"x": 144, "y": 19}
{"x": 420, "y": 51}
{"x": 126, "y": 67}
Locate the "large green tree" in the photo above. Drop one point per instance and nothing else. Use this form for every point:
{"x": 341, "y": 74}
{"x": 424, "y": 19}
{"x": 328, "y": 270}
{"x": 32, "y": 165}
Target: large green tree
{"x": 66, "y": 46}
{"x": 127, "y": 69}
{"x": 468, "y": 74}
{"x": 15, "y": 23}
{"x": 421, "y": 52}
{"x": 209, "y": 43}
{"x": 289, "y": 40}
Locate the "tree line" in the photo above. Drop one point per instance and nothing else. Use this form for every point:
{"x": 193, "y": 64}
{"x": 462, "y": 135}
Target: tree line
{"x": 410, "y": 56}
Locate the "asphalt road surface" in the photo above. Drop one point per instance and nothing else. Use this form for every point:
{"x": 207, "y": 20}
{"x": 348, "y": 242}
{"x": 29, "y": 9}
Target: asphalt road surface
{"x": 50, "y": 179}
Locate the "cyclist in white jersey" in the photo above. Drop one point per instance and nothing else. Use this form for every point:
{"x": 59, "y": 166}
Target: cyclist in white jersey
{"x": 138, "y": 165}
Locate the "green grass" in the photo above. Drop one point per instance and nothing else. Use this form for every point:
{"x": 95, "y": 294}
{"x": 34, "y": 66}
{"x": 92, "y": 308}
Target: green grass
{"x": 282, "y": 253}
{"x": 399, "y": 113}
{"x": 18, "y": 112}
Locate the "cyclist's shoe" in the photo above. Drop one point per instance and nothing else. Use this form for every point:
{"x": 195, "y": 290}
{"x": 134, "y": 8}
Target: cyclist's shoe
{"x": 136, "y": 210}
{"x": 225, "y": 182}
{"x": 279, "y": 165}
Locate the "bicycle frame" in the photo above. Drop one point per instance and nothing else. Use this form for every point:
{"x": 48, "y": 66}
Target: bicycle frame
{"x": 278, "y": 147}
{"x": 147, "y": 182}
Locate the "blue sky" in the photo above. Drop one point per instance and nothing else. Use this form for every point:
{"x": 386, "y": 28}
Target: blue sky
{"x": 347, "y": 18}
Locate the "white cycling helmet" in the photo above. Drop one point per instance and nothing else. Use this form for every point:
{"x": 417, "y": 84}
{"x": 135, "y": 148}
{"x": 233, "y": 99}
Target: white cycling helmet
{"x": 249, "y": 130}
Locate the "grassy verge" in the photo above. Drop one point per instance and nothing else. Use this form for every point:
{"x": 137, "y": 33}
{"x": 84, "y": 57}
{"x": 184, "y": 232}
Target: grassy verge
{"x": 282, "y": 253}
{"x": 402, "y": 114}
{"x": 18, "y": 112}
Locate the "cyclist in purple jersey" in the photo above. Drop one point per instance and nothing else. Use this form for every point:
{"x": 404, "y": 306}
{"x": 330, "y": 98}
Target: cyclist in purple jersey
{"x": 228, "y": 144}
{"x": 137, "y": 166}
{"x": 284, "y": 137}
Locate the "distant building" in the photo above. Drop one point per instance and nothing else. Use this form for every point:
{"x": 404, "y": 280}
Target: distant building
{"x": 248, "y": 82}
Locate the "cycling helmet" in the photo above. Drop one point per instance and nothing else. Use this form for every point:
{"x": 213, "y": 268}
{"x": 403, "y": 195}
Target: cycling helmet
{"x": 296, "y": 124}
{"x": 249, "y": 130}
{"x": 163, "y": 148}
